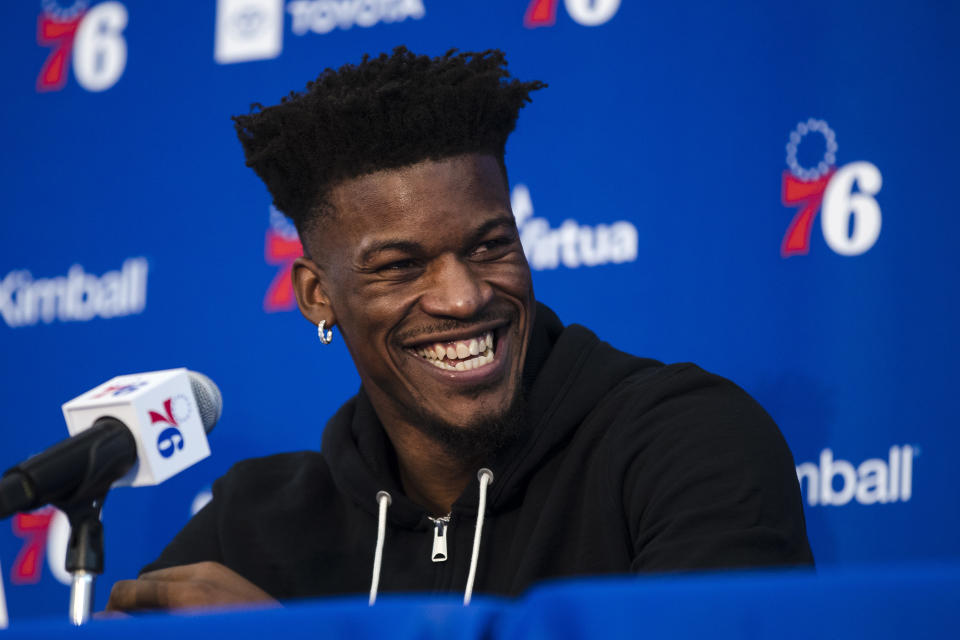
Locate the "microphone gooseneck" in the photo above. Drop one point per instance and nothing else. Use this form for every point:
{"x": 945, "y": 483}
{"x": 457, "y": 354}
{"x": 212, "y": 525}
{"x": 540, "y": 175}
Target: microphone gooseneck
{"x": 86, "y": 464}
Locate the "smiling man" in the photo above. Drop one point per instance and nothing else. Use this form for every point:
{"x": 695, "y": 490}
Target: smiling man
{"x": 425, "y": 276}
{"x": 489, "y": 446}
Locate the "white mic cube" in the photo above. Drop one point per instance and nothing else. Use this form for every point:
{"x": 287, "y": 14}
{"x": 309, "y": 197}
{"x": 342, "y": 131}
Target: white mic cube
{"x": 160, "y": 410}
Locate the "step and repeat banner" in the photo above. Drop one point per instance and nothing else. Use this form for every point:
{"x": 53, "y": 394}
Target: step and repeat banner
{"x": 763, "y": 189}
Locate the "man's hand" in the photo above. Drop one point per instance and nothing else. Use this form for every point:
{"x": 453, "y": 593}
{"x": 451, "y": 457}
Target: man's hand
{"x": 204, "y": 584}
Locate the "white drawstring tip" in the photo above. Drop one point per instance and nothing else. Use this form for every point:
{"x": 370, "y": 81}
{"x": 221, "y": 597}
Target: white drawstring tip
{"x": 485, "y": 476}
{"x": 383, "y": 500}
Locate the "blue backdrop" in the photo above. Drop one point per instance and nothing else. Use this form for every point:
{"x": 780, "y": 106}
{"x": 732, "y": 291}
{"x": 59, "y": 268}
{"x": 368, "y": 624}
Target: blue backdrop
{"x": 763, "y": 190}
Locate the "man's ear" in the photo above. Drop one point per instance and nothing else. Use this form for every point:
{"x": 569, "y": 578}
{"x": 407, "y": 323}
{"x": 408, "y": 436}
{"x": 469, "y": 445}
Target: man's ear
{"x": 310, "y": 287}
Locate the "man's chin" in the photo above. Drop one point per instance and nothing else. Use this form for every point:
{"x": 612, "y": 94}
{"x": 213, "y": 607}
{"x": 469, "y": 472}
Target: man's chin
{"x": 480, "y": 439}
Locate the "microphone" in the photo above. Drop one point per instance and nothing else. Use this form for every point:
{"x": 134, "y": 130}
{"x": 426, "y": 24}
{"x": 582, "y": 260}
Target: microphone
{"x": 132, "y": 430}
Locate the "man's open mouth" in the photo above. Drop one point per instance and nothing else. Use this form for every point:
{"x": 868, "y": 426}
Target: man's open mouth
{"x": 460, "y": 355}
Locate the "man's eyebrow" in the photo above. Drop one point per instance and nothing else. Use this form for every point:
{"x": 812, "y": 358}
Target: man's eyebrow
{"x": 413, "y": 247}
{"x": 490, "y": 225}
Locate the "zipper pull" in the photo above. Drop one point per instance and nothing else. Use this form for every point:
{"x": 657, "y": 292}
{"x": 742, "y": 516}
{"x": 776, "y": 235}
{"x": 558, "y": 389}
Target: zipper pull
{"x": 439, "y": 553}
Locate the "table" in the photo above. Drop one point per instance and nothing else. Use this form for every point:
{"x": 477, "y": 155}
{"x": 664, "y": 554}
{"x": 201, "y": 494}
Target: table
{"x": 873, "y": 602}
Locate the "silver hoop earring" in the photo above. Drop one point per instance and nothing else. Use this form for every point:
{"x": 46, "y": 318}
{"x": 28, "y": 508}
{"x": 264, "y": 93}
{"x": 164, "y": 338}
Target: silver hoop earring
{"x": 326, "y": 337}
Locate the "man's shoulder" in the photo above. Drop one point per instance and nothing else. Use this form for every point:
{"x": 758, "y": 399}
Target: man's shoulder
{"x": 655, "y": 409}
{"x": 587, "y": 380}
{"x": 685, "y": 395}
{"x": 268, "y": 475}
{"x": 581, "y": 357}
{"x": 288, "y": 459}
{"x": 681, "y": 381}
{"x": 704, "y": 461}
{"x": 669, "y": 419}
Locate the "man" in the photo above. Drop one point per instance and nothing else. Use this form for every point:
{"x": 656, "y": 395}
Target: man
{"x": 489, "y": 447}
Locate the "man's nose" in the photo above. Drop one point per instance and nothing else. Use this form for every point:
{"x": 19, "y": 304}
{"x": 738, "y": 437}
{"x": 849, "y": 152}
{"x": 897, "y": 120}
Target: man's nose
{"x": 454, "y": 289}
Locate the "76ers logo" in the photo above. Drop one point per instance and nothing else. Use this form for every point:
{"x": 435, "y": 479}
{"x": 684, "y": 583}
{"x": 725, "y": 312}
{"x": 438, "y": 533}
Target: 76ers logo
{"x": 850, "y": 220}
{"x": 92, "y": 38}
{"x": 281, "y": 248}
{"x": 589, "y": 13}
{"x": 176, "y": 410}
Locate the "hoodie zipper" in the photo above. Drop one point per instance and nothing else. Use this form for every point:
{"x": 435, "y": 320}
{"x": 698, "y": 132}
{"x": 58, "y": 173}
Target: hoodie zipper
{"x": 440, "y": 526}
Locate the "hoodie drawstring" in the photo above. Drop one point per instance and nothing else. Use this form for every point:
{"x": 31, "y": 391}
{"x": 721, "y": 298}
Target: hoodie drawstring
{"x": 384, "y": 500}
{"x": 485, "y": 476}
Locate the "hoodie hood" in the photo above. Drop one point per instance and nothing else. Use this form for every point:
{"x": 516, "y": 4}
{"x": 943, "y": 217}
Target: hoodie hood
{"x": 582, "y": 370}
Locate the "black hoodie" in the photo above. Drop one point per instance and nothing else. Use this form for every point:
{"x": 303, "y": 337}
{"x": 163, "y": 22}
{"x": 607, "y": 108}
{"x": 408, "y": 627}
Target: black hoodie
{"x": 628, "y": 465}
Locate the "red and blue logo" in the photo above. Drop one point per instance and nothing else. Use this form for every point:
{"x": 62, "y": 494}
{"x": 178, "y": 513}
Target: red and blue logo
{"x": 32, "y": 527}
{"x": 281, "y": 248}
{"x": 90, "y": 40}
{"x": 849, "y": 219}
{"x": 588, "y": 13}
{"x": 117, "y": 390}
{"x": 175, "y": 410}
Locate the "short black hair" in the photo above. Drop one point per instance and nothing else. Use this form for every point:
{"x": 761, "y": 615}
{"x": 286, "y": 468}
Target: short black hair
{"x": 384, "y": 113}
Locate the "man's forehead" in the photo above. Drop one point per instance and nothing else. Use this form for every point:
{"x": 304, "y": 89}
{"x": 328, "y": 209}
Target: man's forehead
{"x": 435, "y": 179}
{"x": 415, "y": 203}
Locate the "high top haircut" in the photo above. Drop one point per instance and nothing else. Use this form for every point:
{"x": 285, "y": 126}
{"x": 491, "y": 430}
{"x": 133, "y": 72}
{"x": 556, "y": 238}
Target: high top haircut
{"x": 387, "y": 112}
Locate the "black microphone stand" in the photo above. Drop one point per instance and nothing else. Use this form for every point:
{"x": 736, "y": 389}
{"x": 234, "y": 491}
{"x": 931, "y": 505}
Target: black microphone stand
{"x": 110, "y": 458}
{"x": 84, "y": 555}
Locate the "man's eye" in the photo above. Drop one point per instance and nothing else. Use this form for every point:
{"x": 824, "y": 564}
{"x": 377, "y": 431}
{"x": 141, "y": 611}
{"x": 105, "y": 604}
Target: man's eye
{"x": 398, "y": 265}
{"x": 491, "y": 246}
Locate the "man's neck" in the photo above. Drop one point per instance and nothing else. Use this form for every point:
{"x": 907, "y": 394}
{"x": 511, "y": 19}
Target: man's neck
{"x": 429, "y": 475}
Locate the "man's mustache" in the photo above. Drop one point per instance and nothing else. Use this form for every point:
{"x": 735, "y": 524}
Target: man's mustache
{"x": 452, "y": 324}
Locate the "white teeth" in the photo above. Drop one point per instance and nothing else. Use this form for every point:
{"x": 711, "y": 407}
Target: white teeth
{"x": 468, "y": 354}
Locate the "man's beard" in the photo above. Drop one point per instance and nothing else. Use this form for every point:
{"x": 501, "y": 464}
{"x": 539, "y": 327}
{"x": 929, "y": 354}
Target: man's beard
{"x": 480, "y": 440}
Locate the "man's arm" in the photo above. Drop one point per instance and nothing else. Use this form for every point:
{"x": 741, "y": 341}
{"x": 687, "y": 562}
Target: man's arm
{"x": 714, "y": 485}
{"x": 189, "y": 572}
{"x": 198, "y": 541}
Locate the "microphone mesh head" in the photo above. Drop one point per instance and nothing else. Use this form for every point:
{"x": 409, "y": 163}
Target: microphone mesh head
{"x": 208, "y": 397}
